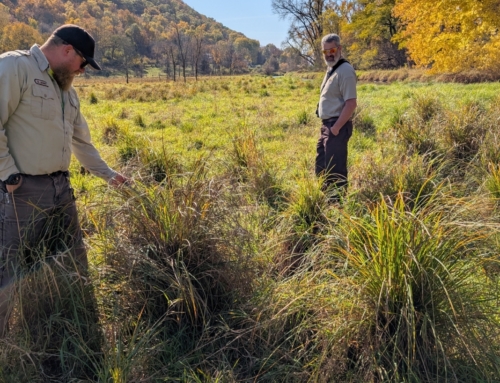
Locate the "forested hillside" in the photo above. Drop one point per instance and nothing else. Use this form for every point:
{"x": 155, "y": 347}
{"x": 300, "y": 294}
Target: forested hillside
{"x": 134, "y": 34}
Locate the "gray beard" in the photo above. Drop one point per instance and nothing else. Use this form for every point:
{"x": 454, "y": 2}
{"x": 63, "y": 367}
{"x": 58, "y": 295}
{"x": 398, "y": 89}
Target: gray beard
{"x": 64, "y": 78}
{"x": 330, "y": 64}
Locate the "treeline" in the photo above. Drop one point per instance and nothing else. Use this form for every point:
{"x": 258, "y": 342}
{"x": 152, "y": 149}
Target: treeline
{"x": 446, "y": 36}
{"x": 132, "y": 35}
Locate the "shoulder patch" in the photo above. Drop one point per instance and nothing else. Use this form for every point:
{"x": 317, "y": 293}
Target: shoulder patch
{"x": 41, "y": 82}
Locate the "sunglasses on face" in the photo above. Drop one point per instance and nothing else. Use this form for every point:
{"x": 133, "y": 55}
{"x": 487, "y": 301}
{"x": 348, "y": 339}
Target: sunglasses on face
{"x": 85, "y": 62}
{"x": 330, "y": 51}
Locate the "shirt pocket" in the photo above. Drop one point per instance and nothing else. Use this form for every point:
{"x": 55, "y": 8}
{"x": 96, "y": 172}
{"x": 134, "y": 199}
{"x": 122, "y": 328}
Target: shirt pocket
{"x": 43, "y": 102}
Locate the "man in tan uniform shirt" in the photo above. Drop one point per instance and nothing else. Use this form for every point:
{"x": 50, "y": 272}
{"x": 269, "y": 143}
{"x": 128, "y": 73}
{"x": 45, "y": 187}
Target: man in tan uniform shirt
{"x": 335, "y": 108}
{"x": 40, "y": 126}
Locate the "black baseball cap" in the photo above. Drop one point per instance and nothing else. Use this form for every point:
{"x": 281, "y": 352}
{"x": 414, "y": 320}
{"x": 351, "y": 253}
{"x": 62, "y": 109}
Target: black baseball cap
{"x": 80, "y": 39}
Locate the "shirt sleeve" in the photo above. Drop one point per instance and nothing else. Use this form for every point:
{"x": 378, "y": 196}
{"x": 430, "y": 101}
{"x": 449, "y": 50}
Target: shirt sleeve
{"x": 85, "y": 151}
{"x": 11, "y": 88}
{"x": 347, "y": 83}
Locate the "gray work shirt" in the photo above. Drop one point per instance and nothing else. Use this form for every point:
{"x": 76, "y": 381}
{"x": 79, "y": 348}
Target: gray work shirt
{"x": 41, "y": 125}
{"x": 340, "y": 87}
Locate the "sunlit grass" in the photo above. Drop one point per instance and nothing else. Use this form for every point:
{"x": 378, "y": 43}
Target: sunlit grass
{"x": 224, "y": 260}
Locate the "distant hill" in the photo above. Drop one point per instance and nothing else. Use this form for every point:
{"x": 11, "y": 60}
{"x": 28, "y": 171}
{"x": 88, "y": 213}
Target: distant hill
{"x": 136, "y": 34}
{"x": 113, "y": 16}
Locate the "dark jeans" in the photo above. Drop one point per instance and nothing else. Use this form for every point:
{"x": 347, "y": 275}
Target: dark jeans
{"x": 331, "y": 154}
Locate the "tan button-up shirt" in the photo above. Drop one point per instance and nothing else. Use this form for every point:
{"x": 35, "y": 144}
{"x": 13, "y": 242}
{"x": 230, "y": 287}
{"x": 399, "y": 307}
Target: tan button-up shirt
{"x": 336, "y": 90}
{"x": 41, "y": 125}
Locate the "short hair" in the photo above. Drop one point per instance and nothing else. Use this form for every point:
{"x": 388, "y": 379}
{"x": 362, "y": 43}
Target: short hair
{"x": 56, "y": 41}
{"x": 330, "y": 38}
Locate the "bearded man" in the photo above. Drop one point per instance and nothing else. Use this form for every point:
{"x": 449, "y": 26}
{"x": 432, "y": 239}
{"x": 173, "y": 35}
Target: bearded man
{"x": 40, "y": 127}
{"x": 336, "y": 106}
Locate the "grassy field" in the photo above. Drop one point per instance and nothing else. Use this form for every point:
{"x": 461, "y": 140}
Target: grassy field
{"x": 224, "y": 261}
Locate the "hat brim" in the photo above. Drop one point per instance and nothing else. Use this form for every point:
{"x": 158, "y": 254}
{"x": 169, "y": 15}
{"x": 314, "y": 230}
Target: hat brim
{"x": 92, "y": 63}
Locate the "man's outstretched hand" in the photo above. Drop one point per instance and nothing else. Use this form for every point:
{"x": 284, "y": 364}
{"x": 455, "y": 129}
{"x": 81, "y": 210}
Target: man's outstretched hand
{"x": 119, "y": 180}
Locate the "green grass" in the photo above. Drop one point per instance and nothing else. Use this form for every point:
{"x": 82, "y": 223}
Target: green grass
{"x": 224, "y": 261}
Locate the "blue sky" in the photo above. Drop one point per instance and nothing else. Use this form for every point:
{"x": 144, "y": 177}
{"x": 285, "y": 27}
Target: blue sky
{"x": 254, "y": 18}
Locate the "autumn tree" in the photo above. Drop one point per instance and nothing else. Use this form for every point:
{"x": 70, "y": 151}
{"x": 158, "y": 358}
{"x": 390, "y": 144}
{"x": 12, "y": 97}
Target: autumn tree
{"x": 217, "y": 52}
{"x": 182, "y": 40}
{"x": 4, "y": 17}
{"x": 198, "y": 40}
{"x": 173, "y": 55}
{"x": 368, "y": 36}
{"x": 248, "y": 48}
{"x": 451, "y": 35}
{"x": 126, "y": 54}
{"x": 306, "y": 29}
{"x": 290, "y": 60}
{"x": 19, "y": 36}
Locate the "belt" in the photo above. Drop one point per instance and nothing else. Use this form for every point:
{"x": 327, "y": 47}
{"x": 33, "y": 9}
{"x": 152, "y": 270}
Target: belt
{"x": 64, "y": 173}
{"x": 59, "y": 173}
{"x": 331, "y": 119}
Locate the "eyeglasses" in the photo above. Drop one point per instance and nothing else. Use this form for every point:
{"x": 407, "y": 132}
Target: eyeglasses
{"x": 85, "y": 62}
{"x": 330, "y": 51}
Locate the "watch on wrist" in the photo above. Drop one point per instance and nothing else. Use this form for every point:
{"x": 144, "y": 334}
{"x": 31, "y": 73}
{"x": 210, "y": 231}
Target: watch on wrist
{"x": 13, "y": 179}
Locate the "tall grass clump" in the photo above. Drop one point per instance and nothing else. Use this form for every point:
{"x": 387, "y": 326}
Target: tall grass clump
{"x": 388, "y": 174}
{"x": 493, "y": 181}
{"x": 249, "y": 165}
{"x": 179, "y": 271}
{"x": 417, "y": 127}
{"x": 139, "y": 120}
{"x": 54, "y": 330}
{"x": 304, "y": 216}
{"x": 158, "y": 166}
{"x": 465, "y": 129}
{"x": 111, "y": 131}
{"x": 431, "y": 313}
{"x": 93, "y": 98}
{"x": 303, "y": 118}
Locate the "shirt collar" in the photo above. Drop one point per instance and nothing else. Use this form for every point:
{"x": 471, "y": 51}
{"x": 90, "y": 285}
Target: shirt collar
{"x": 40, "y": 58}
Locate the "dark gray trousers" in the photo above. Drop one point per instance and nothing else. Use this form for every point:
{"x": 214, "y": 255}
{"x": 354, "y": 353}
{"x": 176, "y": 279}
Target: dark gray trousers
{"x": 41, "y": 246}
{"x": 331, "y": 154}
{"x": 38, "y": 223}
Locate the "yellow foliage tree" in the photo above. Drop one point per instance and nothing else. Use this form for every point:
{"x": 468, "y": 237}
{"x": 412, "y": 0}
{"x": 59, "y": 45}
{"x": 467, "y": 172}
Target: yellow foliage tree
{"x": 451, "y": 35}
{"x": 4, "y": 16}
{"x": 19, "y": 36}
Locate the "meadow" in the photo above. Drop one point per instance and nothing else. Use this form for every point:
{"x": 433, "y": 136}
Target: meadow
{"x": 224, "y": 261}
